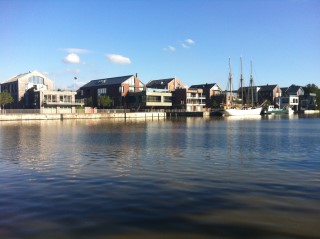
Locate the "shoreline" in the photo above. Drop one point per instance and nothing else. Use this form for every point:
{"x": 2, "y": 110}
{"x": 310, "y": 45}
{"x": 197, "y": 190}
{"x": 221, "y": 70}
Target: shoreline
{"x": 124, "y": 115}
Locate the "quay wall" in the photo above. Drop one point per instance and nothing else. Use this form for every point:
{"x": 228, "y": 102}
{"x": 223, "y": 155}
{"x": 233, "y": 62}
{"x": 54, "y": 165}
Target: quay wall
{"x": 311, "y": 111}
{"x": 187, "y": 114}
{"x": 17, "y": 117}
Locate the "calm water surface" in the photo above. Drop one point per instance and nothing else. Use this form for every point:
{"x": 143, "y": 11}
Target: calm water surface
{"x": 172, "y": 178}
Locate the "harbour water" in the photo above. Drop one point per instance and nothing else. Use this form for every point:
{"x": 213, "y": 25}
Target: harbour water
{"x": 164, "y": 178}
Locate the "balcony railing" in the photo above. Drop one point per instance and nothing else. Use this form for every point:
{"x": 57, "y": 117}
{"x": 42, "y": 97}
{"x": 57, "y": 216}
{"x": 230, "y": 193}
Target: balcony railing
{"x": 59, "y": 102}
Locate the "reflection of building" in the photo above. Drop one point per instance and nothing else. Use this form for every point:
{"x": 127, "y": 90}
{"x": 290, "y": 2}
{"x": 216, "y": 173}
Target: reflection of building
{"x": 116, "y": 88}
{"x": 150, "y": 98}
{"x": 20, "y": 84}
{"x": 212, "y": 93}
{"x": 189, "y": 99}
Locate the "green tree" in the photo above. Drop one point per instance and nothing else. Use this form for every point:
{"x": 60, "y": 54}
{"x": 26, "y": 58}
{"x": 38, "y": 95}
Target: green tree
{"x": 89, "y": 102}
{"x": 104, "y": 101}
{"x": 5, "y": 98}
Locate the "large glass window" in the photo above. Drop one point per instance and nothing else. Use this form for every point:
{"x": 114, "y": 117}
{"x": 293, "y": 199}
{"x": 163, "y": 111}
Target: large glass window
{"x": 36, "y": 80}
{"x": 151, "y": 98}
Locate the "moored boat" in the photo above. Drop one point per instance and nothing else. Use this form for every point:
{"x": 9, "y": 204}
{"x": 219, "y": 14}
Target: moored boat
{"x": 231, "y": 109}
{"x": 272, "y": 110}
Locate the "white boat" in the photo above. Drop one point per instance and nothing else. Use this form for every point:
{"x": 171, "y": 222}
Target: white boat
{"x": 243, "y": 111}
{"x": 231, "y": 109}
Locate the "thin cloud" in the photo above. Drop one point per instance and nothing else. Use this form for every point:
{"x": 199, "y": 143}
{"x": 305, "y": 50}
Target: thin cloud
{"x": 76, "y": 50}
{"x": 72, "y": 58}
{"x": 118, "y": 59}
{"x": 73, "y": 71}
{"x": 169, "y": 48}
{"x": 187, "y": 43}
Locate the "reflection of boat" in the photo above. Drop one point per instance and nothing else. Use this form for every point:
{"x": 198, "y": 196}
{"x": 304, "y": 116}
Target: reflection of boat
{"x": 272, "y": 110}
{"x": 243, "y": 117}
{"x": 231, "y": 109}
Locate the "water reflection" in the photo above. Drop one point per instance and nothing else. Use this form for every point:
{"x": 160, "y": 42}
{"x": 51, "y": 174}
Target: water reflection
{"x": 184, "y": 177}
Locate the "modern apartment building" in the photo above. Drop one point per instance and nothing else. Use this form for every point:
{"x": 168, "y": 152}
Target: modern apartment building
{"x": 117, "y": 88}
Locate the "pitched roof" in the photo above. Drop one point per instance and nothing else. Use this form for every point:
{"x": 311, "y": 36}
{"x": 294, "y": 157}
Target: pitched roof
{"x": 159, "y": 84}
{"x": 261, "y": 87}
{"x": 107, "y": 81}
{"x": 203, "y": 86}
{"x": 267, "y": 87}
{"x": 294, "y": 88}
{"x": 17, "y": 77}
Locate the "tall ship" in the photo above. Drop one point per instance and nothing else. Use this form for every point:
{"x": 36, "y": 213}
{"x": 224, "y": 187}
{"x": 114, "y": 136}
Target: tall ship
{"x": 233, "y": 109}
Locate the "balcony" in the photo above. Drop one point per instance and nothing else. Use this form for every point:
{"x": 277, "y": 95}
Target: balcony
{"x": 65, "y": 103}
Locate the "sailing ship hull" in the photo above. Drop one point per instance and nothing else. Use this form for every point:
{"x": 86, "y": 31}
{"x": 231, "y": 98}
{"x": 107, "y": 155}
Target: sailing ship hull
{"x": 242, "y": 112}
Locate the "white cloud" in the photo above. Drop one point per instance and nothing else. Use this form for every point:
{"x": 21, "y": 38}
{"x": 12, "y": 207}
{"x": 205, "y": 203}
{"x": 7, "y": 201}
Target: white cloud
{"x": 189, "y": 41}
{"x": 76, "y": 50}
{"x": 72, "y": 58}
{"x": 118, "y": 59}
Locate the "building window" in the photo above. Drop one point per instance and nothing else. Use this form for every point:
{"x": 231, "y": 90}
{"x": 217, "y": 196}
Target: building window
{"x": 36, "y": 80}
{"x": 151, "y": 98}
{"x": 102, "y": 91}
{"x": 167, "y": 99}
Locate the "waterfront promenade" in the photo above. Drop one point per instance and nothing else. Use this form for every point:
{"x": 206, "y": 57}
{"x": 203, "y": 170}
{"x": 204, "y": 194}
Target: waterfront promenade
{"x": 104, "y": 114}
{"x": 96, "y": 114}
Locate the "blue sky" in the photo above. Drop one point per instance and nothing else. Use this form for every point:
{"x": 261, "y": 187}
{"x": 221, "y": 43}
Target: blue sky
{"x": 189, "y": 39}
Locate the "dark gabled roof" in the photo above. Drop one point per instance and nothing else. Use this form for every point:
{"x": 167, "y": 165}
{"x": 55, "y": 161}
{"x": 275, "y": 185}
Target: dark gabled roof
{"x": 107, "y": 81}
{"x": 159, "y": 84}
{"x": 261, "y": 87}
{"x": 267, "y": 87}
{"x": 203, "y": 86}
{"x": 294, "y": 88}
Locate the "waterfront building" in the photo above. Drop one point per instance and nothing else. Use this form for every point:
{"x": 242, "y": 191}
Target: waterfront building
{"x": 308, "y": 101}
{"x": 294, "y": 90}
{"x": 260, "y": 93}
{"x": 292, "y": 96}
{"x": 52, "y": 101}
{"x": 34, "y": 90}
{"x": 212, "y": 92}
{"x": 190, "y": 100}
{"x": 150, "y": 99}
{"x": 170, "y": 84}
{"x": 117, "y": 88}
{"x": 18, "y": 85}
{"x": 269, "y": 93}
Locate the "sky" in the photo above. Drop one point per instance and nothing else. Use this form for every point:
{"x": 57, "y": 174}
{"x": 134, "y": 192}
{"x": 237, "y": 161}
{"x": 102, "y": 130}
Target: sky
{"x": 157, "y": 39}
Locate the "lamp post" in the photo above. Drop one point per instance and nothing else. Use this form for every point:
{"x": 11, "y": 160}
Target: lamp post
{"x": 74, "y": 83}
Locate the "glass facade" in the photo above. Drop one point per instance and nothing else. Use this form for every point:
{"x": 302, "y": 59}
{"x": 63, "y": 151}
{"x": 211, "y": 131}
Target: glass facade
{"x": 36, "y": 80}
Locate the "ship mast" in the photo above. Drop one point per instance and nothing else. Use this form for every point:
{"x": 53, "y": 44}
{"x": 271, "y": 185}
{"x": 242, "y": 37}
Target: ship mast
{"x": 241, "y": 81}
{"x": 230, "y": 83}
{"x": 251, "y": 83}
